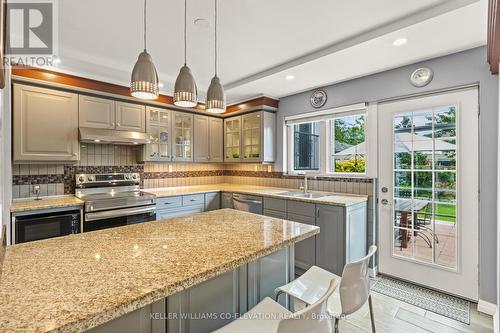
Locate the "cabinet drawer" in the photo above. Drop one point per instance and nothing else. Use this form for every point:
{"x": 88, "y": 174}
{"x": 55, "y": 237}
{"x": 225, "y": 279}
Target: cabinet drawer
{"x": 275, "y": 213}
{"x": 178, "y": 212}
{"x": 302, "y": 208}
{"x": 275, "y": 204}
{"x": 193, "y": 199}
{"x": 168, "y": 202}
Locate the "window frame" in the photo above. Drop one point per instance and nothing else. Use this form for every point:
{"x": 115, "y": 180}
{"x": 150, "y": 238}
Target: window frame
{"x": 324, "y": 117}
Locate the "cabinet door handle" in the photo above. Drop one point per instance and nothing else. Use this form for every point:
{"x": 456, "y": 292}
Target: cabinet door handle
{"x": 118, "y": 124}
{"x": 317, "y": 212}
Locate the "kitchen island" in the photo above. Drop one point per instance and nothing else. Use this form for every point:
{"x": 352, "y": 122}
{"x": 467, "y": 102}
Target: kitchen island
{"x": 113, "y": 279}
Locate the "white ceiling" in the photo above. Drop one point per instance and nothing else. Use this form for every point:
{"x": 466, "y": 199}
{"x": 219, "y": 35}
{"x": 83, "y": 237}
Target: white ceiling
{"x": 260, "y": 42}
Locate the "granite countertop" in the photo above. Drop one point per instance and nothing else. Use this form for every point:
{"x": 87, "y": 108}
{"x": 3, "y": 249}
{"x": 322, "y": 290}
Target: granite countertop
{"x": 23, "y": 205}
{"x": 329, "y": 198}
{"x": 76, "y": 282}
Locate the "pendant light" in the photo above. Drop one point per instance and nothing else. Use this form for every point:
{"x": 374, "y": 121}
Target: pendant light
{"x": 144, "y": 81}
{"x": 216, "y": 98}
{"x": 185, "y": 91}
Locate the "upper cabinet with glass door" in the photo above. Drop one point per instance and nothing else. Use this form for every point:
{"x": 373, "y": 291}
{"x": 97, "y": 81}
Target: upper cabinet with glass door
{"x": 158, "y": 126}
{"x": 182, "y": 128}
{"x": 250, "y": 138}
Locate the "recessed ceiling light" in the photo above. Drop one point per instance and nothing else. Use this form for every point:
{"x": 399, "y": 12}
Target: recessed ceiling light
{"x": 400, "y": 42}
{"x": 289, "y": 77}
{"x": 202, "y": 23}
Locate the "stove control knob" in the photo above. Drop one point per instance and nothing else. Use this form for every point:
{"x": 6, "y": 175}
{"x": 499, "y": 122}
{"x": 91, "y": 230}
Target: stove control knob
{"x": 134, "y": 176}
{"x": 81, "y": 179}
{"x": 90, "y": 178}
{"x": 127, "y": 176}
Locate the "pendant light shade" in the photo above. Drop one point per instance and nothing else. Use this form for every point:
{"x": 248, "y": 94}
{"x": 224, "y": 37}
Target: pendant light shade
{"x": 185, "y": 90}
{"x": 144, "y": 80}
{"x": 216, "y": 97}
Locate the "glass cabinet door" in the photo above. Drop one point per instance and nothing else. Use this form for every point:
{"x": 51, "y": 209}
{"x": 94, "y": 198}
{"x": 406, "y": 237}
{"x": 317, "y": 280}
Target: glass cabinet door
{"x": 251, "y": 134}
{"x": 183, "y": 133}
{"x": 164, "y": 136}
{"x": 232, "y": 139}
{"x": 158, "y": 128}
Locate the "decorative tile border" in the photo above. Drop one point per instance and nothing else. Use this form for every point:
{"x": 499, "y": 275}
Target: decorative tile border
{"x": 280, "y": 175}
{"x": 37, "y": 179}
{"x": 183, "y": 174}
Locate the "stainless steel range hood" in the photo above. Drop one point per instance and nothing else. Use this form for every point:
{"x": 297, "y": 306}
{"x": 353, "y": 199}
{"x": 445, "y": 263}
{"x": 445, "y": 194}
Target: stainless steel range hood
{"x": 95, "y": 135}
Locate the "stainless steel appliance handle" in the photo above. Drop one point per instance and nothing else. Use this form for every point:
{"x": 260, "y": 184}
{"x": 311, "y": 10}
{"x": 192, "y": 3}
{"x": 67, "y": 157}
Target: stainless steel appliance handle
{"x": 247, "y": 201}
{"x": 118, "y": 213}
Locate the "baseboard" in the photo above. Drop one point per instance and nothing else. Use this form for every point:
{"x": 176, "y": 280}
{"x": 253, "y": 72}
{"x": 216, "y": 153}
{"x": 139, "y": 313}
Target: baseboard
{"x": 487, "y": 308}
{"x": 496, "y": 324}
{"x": 373, "y": 272}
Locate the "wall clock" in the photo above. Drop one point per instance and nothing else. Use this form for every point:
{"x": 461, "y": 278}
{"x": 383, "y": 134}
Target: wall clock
{"x": 318, "y": 98}
{"x": 421, "y": 77}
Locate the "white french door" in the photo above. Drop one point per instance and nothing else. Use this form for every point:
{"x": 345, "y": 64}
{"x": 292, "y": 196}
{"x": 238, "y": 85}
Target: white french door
{"x": 428, "y": 191}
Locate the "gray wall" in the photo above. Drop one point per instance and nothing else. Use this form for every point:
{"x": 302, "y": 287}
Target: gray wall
{"x": 454, "y": 70}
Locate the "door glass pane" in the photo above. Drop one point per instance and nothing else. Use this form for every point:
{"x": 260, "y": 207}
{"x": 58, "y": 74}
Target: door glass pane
{"x": 425, "y": 189}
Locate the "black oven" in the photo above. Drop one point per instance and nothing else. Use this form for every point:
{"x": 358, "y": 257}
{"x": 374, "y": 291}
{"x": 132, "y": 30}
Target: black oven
{"x": 41, "y": 226}
{"x": 118, "y": 217}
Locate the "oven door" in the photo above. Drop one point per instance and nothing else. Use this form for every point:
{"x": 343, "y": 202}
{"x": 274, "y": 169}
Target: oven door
{"x": 118, "y": 217}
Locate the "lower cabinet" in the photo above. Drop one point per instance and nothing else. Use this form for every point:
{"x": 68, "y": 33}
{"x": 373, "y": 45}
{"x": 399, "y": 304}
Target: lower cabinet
{"x": 185, "y": 205}
{"x": 226, "y": 200}
{"x": 343, "y": 236}
{"x": 305, "y": 251}
{"x": 212, "y": 201}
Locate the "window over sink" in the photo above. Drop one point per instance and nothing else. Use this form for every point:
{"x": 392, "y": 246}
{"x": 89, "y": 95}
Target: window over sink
{"x": 331, "y": 142}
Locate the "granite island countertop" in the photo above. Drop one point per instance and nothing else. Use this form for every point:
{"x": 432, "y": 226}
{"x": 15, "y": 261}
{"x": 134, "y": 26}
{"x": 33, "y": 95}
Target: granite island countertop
{"x": 76, "y": 282}
{"x": 328, "y": 198}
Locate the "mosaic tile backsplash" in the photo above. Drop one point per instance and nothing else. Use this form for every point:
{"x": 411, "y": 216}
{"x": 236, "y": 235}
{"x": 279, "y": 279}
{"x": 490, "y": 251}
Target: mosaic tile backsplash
{"x": 95, "y": 158}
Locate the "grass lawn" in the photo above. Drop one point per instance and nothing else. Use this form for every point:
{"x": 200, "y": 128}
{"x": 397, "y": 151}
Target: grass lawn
{"x": 444, "y": 212}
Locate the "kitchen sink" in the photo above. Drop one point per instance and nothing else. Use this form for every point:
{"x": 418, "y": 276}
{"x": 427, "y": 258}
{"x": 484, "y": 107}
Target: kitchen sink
{"x": 297, "y": 194}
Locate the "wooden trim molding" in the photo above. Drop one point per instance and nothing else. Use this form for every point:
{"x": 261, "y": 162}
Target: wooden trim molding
{"x": 41, "y": 74}
{"x": 494, "y": 35}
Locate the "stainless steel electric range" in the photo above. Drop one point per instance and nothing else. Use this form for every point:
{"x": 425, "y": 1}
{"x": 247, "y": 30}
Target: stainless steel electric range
{"x": 113, "y": 200}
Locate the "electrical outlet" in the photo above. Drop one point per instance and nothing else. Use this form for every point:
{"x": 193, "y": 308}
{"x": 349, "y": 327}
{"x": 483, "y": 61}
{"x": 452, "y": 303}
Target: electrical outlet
{"x": 170, "y": 168}
{"x": 269, "y": 168}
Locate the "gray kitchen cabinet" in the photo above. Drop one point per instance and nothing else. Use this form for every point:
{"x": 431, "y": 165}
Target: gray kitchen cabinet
{"x": 130, "y": 117}
{"x": 201, "y": 139}
{"x": 45, "y": 125}
{"x": 179, "y": 212}
{"x": 274, "y": 213}
{"x": 275, "y": 208}
{"x": 250, "y": 138}
{"x": 305, "y": 251}
{"x": 99, "y": 112}
{"x": 342, "y": 238}
{"x": 216, "y": 146}
{"x": 212, "y": 201}
{"x": 226, "y": 200}
{"x": 96, "y": 112}
{"x": 138, "y": 321}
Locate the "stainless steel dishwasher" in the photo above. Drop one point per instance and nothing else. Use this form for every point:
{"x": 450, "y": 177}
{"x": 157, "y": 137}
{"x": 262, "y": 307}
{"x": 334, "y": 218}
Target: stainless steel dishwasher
{"x": 247, "y": 203}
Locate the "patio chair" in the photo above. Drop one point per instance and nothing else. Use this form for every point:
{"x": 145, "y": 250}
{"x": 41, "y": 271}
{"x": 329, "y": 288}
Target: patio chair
{"x": 422, "y": 224}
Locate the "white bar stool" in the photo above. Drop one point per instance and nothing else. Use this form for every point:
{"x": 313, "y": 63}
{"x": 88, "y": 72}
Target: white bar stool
{"x": 352, "y": 294}
{"x": 270, "y": 317}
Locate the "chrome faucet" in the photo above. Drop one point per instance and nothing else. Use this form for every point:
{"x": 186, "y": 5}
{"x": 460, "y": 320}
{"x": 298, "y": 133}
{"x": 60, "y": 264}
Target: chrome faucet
{"x": 305, "y": 186}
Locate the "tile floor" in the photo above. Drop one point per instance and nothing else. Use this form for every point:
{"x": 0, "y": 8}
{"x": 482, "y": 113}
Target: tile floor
{"x": 392, "y": 316}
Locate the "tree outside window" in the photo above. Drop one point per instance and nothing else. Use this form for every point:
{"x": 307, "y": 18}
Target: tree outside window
{"x": 348, "y": 149}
